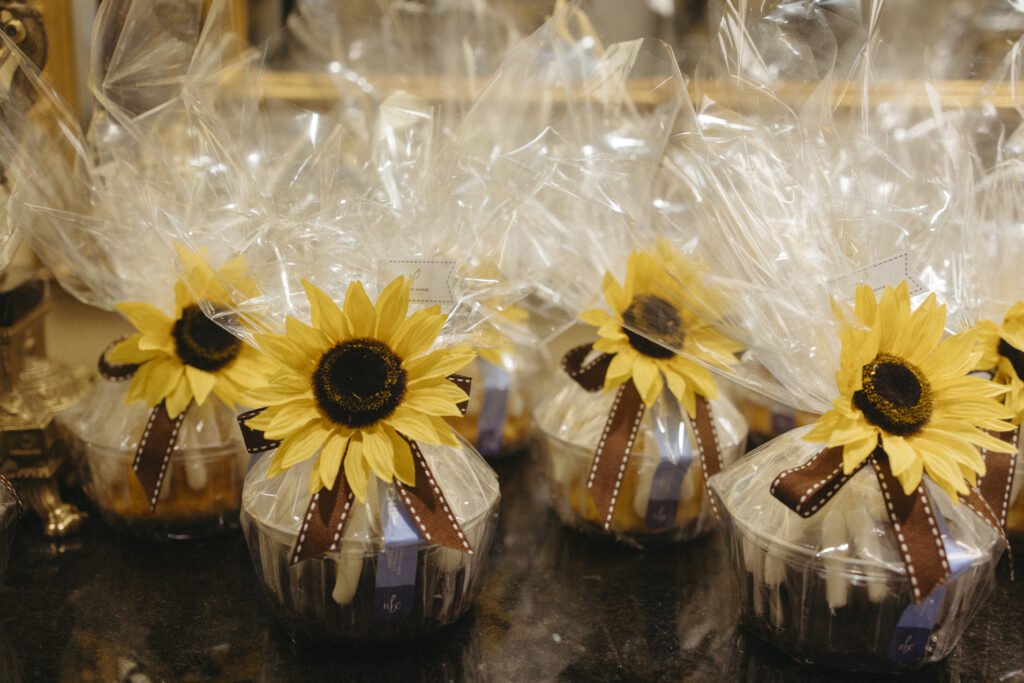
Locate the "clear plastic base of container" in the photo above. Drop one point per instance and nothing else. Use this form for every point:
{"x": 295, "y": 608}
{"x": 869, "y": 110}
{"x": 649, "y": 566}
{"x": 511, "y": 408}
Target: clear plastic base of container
{"x": 446, "y": 584}
{"x": 831, "y": 589}
{"x": 335, "y": 596}
{"x": 202, "y": 490}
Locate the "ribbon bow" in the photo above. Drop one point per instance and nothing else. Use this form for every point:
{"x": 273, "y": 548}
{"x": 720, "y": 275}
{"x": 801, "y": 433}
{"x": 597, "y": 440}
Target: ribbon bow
{"x": 616, "y": 444}
{"x": 914, "y": 518}
{"x": 159, "y": 436}
{"x": 323, "y": 525}
{"x": 7, "y": 485}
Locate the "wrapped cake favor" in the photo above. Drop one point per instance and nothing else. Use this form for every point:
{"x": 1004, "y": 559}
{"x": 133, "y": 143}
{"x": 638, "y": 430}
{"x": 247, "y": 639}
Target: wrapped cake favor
{"x": 861, "y": 542}
{"x": 994, "y": 296}
{"x": 156, "y": 442}
{"x": 612, "y": 470}
{"x": 567, "y": 174}
{"x": 367, "y": 517}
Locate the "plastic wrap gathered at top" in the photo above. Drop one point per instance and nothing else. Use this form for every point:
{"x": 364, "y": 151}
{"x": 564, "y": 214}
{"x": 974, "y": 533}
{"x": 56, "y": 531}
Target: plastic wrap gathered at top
{"x": 553, "y": 165}
{"x": 804, "y": 169}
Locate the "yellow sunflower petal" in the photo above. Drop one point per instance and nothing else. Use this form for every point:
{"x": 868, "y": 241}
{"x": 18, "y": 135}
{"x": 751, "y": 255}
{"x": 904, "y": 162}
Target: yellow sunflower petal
{"x": 326, "y": 315}
{"x": 440, "y": 400}
{"x": 391, "y": 308}
{"x": 648, "y": 380}
{"x": 179, "y": 398}
{"x": 438, "y": 364}
{"x": 330, "y": 458}
{"x": 418, "y": 333}
{"x": 359, "y": 311}
{"x": 378, "y": 452}
{"x": 357, "y": 474}
{"x": 619, "y": 370}
{"x": 146, "y": 318}
{"x": 412, "y": 424}
{"x": 405, "y": 466}
{"x": 128, "y": 352}
{"x": 200, "y": 382}
{"x": 303, "y": 444}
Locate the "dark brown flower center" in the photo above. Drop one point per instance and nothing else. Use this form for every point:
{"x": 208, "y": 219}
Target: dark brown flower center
{"x": 654, "y": 317}
{"x": 1014, "y": 355}
{"x": 896, "y": 396}
{"x": 359, "y": 382}
{"x": 202, "y": 343}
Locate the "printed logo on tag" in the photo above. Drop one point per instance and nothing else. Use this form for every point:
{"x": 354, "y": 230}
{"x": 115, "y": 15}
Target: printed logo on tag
{"x": 431, "y": 279}
{"x": 888, "y": 272}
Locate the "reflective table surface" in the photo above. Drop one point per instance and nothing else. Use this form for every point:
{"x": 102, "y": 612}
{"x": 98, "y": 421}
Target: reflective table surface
{"x": 555, "y": 605}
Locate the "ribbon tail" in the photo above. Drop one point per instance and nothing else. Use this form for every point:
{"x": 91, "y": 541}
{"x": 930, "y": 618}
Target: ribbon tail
{"x": 254, "y": 439}
{"x": 613, "y": 450}
{"x": 5, "y": 483}
{"x": 706, "y": 434}
{"x": 115, "y": 372}
{"x": 976, "y": 502}
{"x": 155, "y": 449}
{"x": 591, "y": 375}
{"x": 996, "y": 485}
{"x": 324, "y": 522}
{"x": 917, "y": 532}
{"x": 805, "y": 489}
{"x": 465, "y": 383}
{"x": 429, "y": 508}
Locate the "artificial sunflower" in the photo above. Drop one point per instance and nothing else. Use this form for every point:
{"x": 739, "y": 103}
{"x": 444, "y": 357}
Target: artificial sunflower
{"x": 662, "y": 296}
{"x": 905, "y": 389}
{"x": 353, "y": 386}
{"x": 187, "y": 357}
{"x": 1001, "y": 353}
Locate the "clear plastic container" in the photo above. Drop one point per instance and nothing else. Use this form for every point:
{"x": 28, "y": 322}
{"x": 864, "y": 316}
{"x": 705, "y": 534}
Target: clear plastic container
{"x": 202, "y": 490}
{"x": 831, "y": 589}
{"x": 571, "y": 421}
{"x": 498, "y": 420}
{"x": 333, "y": 596}
{"x": 8, "y": 520}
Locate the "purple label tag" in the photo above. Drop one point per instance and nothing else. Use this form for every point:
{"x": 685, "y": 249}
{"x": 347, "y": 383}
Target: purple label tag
{"x": 396, "y": 564}
{"x": 910, "y": 640}
{"x": 495, "y": 405}
{"x": 673, "y": 439}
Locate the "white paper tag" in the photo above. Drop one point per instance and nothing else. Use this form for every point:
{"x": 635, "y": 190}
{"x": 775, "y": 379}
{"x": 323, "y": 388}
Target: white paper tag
{"x": 432, "y": 279}
{"x": 888, "y": 272}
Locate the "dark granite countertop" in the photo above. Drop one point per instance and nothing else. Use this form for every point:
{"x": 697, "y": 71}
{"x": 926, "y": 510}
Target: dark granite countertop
{"x": 556, "y": 605}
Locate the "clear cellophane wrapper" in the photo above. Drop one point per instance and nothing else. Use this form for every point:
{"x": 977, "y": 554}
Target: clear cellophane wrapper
{"x": 201, "y": 491}
{"x": 766, "y": 417}
{"x": 990, "y": 290}
{"x": 814, "y": 161}
{"x": 340, "y": 188}
{"x": 571, "y": 421}
{"x": 9, "y": 513}
{"x": 333, "y": 595}
{"x": 831, "y": 589}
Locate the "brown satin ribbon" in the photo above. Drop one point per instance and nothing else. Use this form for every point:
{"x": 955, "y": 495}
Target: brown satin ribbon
{"x": 325, "y": 520}
{"x": 155, "y": 449}
{"x": 328, "y": 510}
{"x": 996, "y": 485}
{"x": 158, "y": 437}
{"x": 10, "y": 487}
{"x": 255, "y": 441}
{"x": 611, "y": 456}
{"x": 464, "y": 383}
{"x": 805, "y": 489}
{"x": 115, "y": 372}
{"x": 429, "y": 508}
